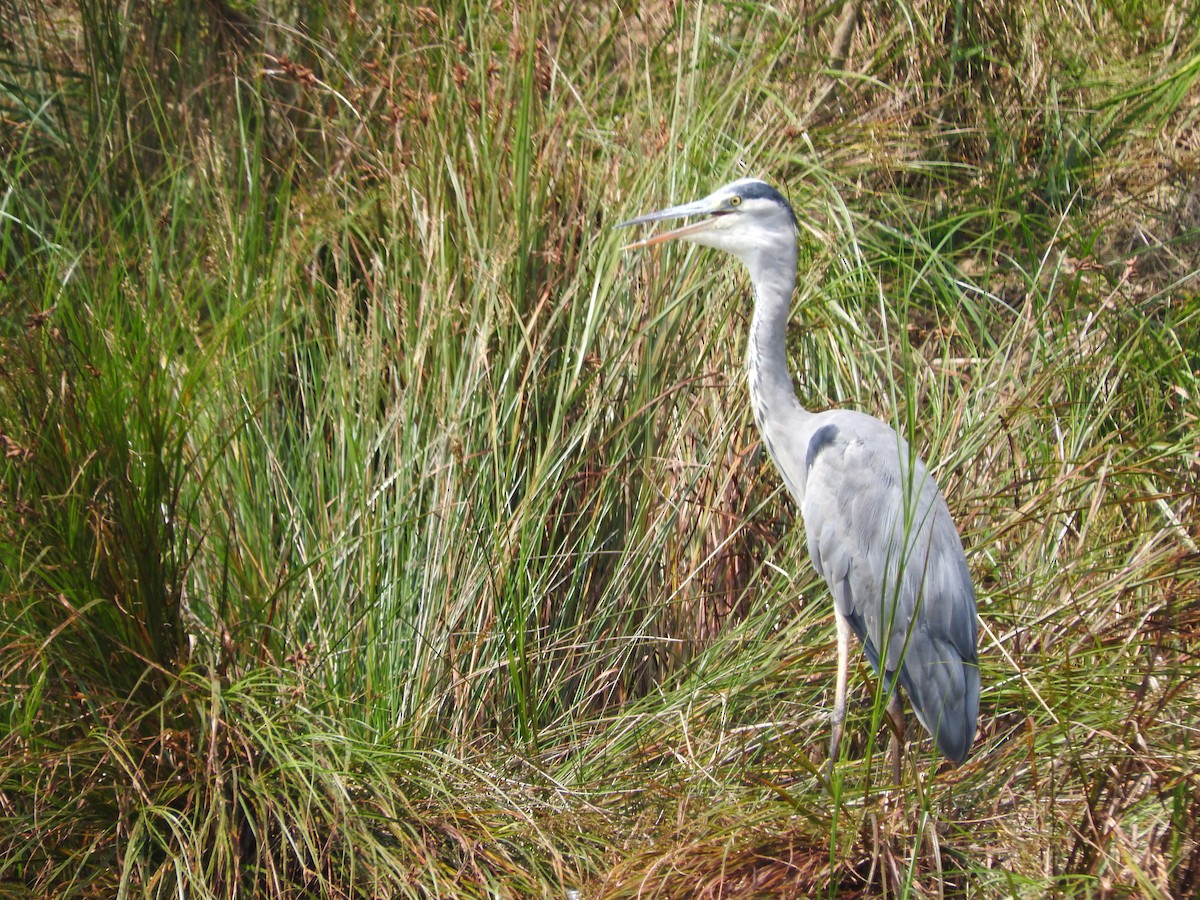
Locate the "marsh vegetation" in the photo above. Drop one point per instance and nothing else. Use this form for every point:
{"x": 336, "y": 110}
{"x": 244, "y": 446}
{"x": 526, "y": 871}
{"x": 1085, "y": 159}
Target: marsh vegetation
{"x": 371, "y": 526}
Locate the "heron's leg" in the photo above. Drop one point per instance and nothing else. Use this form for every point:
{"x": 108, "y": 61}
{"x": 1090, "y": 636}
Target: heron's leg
{"x": 895, "y": 712}
{"x": 838, "y": 720}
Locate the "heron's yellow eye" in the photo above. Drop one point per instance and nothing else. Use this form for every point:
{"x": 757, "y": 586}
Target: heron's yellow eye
{"x": 735, "y": 201}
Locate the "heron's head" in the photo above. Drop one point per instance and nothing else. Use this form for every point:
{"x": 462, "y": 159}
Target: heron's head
{"x": 745, "y": 218}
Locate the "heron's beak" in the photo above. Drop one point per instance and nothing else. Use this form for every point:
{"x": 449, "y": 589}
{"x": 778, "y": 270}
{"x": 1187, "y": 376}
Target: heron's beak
{"x": 696, "y": 208}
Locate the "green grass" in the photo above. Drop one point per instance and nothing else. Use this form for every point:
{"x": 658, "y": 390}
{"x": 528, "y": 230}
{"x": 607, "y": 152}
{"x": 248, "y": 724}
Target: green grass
{"x": 372, "y": 526}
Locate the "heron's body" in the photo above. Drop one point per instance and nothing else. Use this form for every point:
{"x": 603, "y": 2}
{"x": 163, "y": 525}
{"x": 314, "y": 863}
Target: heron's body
{"x": 879, "y": 531}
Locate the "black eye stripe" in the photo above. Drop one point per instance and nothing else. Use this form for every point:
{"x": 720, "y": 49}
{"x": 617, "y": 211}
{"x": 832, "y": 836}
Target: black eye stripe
{"x": 758, "y": 190}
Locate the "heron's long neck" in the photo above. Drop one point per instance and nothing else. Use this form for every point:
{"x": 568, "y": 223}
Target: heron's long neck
{"x": 771, "y": 391}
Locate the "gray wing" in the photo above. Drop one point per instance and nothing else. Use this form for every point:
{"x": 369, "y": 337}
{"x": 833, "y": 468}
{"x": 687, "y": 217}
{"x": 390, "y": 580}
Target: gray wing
{"x": 880, "y": 533}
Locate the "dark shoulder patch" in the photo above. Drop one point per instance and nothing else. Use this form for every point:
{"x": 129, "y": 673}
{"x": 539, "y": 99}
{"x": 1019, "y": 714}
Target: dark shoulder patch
{"x": 824, "y": 436}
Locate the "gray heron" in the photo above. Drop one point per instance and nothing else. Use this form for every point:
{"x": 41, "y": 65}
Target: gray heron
{"x": 877, "y": 527}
